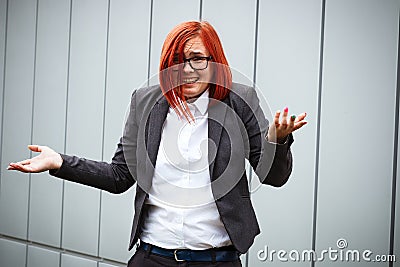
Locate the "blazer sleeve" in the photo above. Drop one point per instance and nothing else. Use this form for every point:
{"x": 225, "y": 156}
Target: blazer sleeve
{"x": 271, "y": 162}
{"x": 115, "y": 177}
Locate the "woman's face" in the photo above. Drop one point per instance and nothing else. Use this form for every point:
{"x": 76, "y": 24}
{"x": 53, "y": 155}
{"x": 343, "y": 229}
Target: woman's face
{"x": 195, "y": 81}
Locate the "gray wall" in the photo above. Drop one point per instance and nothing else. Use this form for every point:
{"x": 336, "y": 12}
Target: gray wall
{"x": 66, "y": 65}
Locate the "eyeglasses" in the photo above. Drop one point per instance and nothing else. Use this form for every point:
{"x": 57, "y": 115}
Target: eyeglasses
{"x": 196, "y": 63}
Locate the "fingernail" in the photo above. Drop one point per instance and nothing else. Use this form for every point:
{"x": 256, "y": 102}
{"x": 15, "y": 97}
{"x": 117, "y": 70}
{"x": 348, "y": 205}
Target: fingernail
{"x": 286, "y": 109}
{"x": 293, "y": 117}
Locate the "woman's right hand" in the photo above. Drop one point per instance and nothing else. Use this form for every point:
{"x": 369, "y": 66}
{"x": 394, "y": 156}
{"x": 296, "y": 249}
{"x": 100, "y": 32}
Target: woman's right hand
{"x": 48, "y": 159}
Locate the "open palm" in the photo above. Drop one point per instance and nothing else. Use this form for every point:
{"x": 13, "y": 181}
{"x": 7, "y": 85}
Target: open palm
{"x": 48, "y": 159}
{"x": 280, "y": 129}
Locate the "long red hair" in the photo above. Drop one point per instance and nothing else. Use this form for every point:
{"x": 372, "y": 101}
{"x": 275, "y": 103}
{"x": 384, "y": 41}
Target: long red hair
{"x": 174, "y": 44}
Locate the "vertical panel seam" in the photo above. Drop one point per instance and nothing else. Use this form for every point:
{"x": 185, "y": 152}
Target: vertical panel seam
{"x": 201, "y": 10}
{"x": 32, "y": 116}
{"x": 256, "y": 32}
{"x": 150, "y": 40}
{"x": 255, "y": 65}
{"x": 104, "y": 117}
{"x": 317, "y": 146}
{"x": 395, "y": 151}
{"x": 66, "y": 122}
{"x": 256, "y": 43}
{"x": 31, "y": 137}
{"x": 4, "y": 89}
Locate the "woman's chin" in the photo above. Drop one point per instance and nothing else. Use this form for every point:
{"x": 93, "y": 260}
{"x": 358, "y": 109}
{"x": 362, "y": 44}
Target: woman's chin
{"x": 192, "y": 90}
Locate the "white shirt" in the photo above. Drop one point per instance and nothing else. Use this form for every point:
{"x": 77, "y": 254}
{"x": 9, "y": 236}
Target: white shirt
{"x": 182, "y": 212}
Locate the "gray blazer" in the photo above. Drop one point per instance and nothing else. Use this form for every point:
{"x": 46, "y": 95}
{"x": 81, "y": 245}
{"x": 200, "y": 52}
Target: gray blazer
{"x": 236, "y": 127}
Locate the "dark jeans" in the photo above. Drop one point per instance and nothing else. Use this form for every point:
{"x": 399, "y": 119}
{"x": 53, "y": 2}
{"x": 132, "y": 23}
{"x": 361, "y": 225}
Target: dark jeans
{"x": 145, "y": 259}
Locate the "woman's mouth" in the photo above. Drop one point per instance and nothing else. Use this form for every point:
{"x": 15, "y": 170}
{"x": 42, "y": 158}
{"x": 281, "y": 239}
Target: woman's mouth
{"x": 189, "y": 80}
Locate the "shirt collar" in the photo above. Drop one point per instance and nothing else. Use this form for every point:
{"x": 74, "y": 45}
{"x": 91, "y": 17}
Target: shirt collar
{"x": 201, "y": 103}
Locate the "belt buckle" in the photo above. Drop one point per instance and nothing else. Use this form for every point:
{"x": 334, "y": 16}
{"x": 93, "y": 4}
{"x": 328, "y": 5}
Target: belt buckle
{"x": 176, "y": 256}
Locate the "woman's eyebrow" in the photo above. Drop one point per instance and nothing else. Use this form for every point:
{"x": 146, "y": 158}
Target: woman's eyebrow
{"x": 191, "y": 53}
{"x": 196, "y": 53}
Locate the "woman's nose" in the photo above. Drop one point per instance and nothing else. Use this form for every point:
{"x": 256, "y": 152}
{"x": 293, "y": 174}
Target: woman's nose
{"x": 187, "y": 68}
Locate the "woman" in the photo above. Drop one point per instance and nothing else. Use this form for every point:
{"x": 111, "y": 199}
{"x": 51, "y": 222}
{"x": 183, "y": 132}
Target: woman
{"x": 185, "y": 143}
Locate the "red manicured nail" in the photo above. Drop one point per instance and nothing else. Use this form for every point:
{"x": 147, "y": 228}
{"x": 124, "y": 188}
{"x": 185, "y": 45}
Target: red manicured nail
{"x": 286, "y": 109}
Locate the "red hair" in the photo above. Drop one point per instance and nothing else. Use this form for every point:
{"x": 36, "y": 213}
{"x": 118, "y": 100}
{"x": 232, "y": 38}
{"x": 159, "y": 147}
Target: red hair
{"x": 174, "y": 44}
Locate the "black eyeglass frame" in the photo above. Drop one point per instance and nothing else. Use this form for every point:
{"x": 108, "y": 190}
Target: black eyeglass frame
{"x": 188, "y": 60}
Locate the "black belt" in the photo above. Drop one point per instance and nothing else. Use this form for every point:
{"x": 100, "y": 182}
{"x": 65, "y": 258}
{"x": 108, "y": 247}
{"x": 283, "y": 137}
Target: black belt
{"x": 211, "y": 255}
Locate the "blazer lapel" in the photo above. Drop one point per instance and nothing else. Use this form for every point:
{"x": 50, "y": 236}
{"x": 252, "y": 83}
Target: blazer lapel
{"x": 154, "y": 128}
{"x": 216, "y": 119}
{"x": 152, "y": 138}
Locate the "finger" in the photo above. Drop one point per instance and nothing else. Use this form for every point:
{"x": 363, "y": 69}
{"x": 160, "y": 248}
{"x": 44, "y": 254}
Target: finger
{"x": 276, "y": 118}
{"x": 14, "y": 165}
{"x": 19, "y": 167}
{"x": 292, "y": 119}
{"x": 284, "y": 117}
{"x": 35, "y": 148}
{"x": 299, "y": 125}
{"x": 301, "y": 117}
{"x": 24, "y": 162}
{"x": 10, "y": 168}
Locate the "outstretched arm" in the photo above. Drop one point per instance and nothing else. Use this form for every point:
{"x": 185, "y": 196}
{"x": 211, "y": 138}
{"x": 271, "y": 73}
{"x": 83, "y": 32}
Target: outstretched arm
{"x": 114, "y": 177}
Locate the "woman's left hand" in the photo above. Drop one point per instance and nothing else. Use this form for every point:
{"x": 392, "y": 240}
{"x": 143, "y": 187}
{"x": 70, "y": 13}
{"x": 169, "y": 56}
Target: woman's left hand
{"x": 279, "y": 130}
